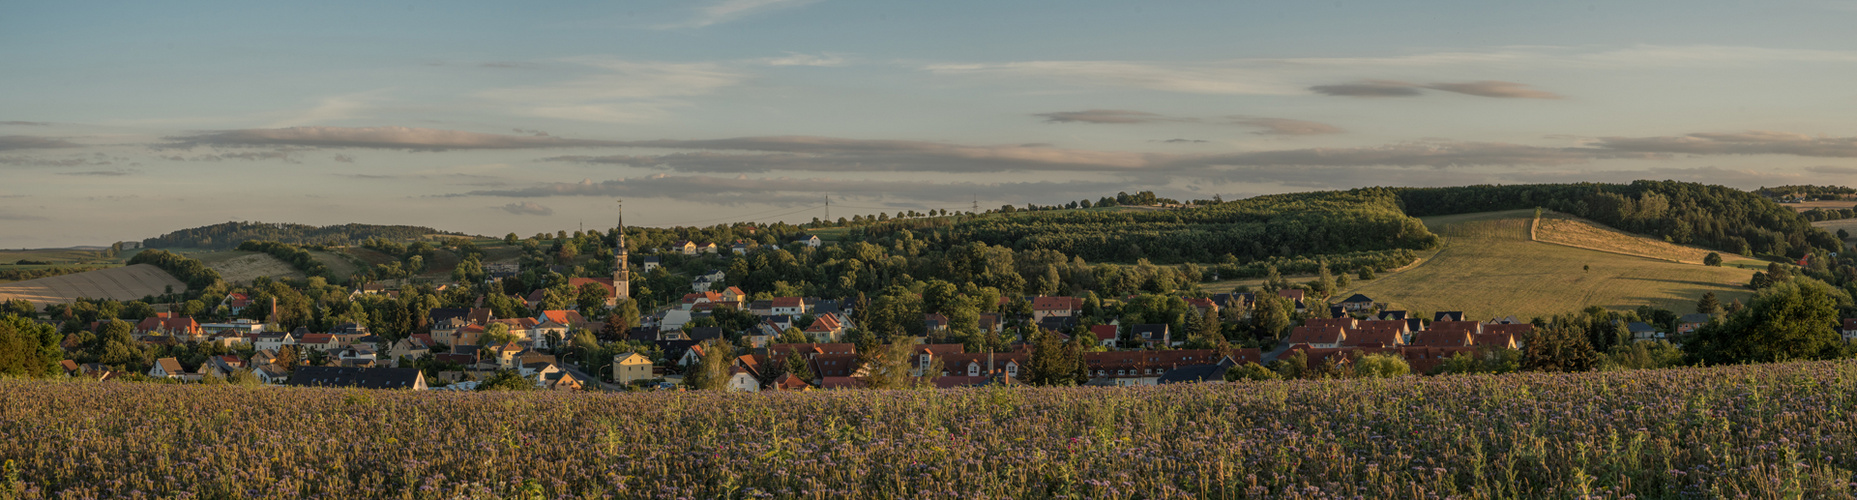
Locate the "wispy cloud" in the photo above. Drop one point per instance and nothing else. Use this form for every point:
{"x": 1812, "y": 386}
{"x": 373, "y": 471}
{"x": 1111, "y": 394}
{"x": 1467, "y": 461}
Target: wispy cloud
{"x": 1285, "y": 126}
{"x": 731, "y": 10}
{"x": 26, "y": 124}
{"x": 333, "y": 108}
{"x": 822, "y": 154}
{"x": 1115, "y": 116}
{"x": 1394, "y": 88}
{"x": 741, "y": 190}
{"x": 1755, "y": 142}
{"x": 621, "y": 92}
{"x": 798, "y": 59}
{"x": 102, "y": 173}
{"x": 528, "y": 208}
{"x": 422, "y": 139}
{"x": 13, "y": 142}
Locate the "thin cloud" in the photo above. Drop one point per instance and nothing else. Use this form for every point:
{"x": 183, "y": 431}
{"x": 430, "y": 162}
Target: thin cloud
{"x": 1107, "y": 116}
{"x": 1425, "y": 154}
{"x": 1832, "y": 170}
{"x": 101, "y": 173}
{"x": 798, "y": 59}
{"x": 1492, "y": 88}
{"x": 26, "y": 124}
{"x": 1370, "y": 88}
{"x": 741, "y": 190}
{"x": 854, "y": 155}
{"x": 1285, "y": 126}
{"x": 1184, "y": 141}
{"x": 13, "y": 142}
{"x": 624, "y": 91}
{"x": 731, "y": 10}
{"x": 1756, "y": 142}
{"x": 528, "y": 208}
{"x": 417, "y": 139}
{"x": 344, "y": 158}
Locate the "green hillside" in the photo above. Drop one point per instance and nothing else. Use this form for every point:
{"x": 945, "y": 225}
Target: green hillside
{"x": 1488, "y": 267}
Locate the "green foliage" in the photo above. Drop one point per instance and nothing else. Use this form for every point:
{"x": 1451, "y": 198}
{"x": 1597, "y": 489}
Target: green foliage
{"x": 506, "y": 380}
{"x": 1486, "y": 360}
{"x": 195, "y": 274}
{"x": 296, "y": 257}
{"x": 1642, "y": 355}
{"x": 33, "y": 274}
{"x": 1560, "y": 346}
{"x": 1791, "y": 320}
{"x": 1381, "y": 366}
{"x": 231, "y": 234}
{"x": 28, "y": 348}
{"x": 1715, "y": 259}
{"x": 1250, "y": 371}
{"x": 1686, "y": 213}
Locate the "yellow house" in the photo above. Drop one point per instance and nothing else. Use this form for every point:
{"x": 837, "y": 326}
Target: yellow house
{"x": 631, "y": 366}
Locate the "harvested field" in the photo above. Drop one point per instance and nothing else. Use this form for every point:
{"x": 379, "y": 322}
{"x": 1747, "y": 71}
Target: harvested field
{"x": 1577, "y": 232}
{"x": 1832, "y": 226}
{"x": 1806, "y": 206}
{"x": 243, "y": 267}
{"x": 339, "y": 265}
{"x": 1489, "y": 268}
{"x": 122, "y": 283}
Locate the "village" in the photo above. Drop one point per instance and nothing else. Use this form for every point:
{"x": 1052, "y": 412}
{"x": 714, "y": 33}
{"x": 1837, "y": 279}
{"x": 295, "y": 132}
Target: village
{"x": 800, "y": 343}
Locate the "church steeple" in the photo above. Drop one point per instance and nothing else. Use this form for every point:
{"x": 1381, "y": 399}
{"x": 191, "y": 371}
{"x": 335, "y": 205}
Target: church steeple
{"x": 622, "y": 274}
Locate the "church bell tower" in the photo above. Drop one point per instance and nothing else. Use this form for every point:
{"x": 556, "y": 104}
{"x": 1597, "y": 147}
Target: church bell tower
{"x": 622, "y": 275}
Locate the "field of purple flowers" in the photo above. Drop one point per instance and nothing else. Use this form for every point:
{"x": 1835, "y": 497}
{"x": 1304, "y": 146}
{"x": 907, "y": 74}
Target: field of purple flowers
{"x": 1764, "y": 431}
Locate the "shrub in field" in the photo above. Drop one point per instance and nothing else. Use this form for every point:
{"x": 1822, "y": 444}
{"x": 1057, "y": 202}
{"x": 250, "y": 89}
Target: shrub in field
{"x": 1753, "y": 431}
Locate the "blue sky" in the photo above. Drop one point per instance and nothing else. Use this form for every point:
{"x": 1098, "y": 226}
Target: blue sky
{"x": 125, "y": 120}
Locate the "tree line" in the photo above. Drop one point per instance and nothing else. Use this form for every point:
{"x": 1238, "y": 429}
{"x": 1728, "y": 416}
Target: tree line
{"x": 229, "y": 235}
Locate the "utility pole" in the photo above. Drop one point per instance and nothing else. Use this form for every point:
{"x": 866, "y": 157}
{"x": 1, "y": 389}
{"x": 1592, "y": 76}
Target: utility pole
{"x": 828, "y": 207}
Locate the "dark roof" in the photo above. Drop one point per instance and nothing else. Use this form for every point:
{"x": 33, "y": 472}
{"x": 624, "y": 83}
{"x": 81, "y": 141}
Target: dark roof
{"x": 1337, "y": 312}
{"x": 674, "y": 349}
{"x": 1357, "y": 298}
{"x": 1638, "y": 326}
{"x": 1695, "y": 318}
{"x": 1058, "y": 323}
{"x": 705, "y": 333}
{"x": 440, "y": 314}
{"x": 1448, "y": 316}
{"x": 1194, "y": 373}
{"x": 1148, "y": 330}
{"x": 367, "y": 378}
{"x": 1398, "y": 315}
{"x": 644, "y": 333}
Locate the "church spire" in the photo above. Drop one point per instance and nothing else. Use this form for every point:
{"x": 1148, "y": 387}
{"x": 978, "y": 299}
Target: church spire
{"x": 622, "y": 274}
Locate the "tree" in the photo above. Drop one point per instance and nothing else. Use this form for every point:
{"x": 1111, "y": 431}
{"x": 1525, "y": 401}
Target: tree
{"x": 1292, "y": 365}
{"x": 591, "y": 297}
{"x": 1367, "y": 273}
{"x": 1052, "y": 363}
{"x": 506, "y": 380}
{"x": 511, "y": 239}
{"x": 497, "y": 334}
{"x": 1708, "y": 304}
{"x": 791, "y": 336}
{"x": 1791, "y": 320}
{"x": 890, "y": 368}
{"x": 1560, "y": 346}
{"x": 712, "y": 372}
{"x": 1271, "y": 317}
{"x": 28, "y": 348}
{"x": 1715, "y": 259}
{"x": 1250, "y": 371}
{"x": 1381, "y": 366}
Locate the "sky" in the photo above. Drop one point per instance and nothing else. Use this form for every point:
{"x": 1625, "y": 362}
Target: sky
{"x": 125, "y": 120}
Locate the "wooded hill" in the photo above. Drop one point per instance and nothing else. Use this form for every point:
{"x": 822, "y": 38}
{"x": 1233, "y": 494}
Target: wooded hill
{"x": 229, "y": 235}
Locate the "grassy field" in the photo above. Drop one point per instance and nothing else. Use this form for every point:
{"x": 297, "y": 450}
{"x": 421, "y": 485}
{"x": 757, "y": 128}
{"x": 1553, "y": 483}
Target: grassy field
{"x": 1489, "y": 268}
{"x": 1773, "y": 431}
{"x": 120, "y": 283}
{"x": 1832, "y": 226}
{"x": 1574, "y": 231}
{"x": 242, "y": 267}
{"x": 339, "y": 265}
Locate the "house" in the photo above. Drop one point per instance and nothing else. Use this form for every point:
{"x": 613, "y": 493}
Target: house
{"x": 1643, "y": 332}
{"x": 271, "y": 374}
{"x": 1043, "y": 307}
{"x": 790, "y": 306}
{"x": 685, "y": 247}
{"x": 1392, "y": 315}
{"x": 236, "y": 303}
{"x": 1151, "y": 334}
{"x": 1344, "y": 323}
{"x": 673, "y": 320}
{"x": 164, "y": 325}
{"x": 1448, "y": 316}
{"x": 273, "y": 341}
{"x": 1058, "y": 323}
{"x": 408, "y": 348}
{"x": 709, "y": 248}
{"x": 734, "y": 297}
{"x": 1509, "y": 335}
{"x": 743, "y": 380}
{"x": 934, "y": 322}
{"x": 651, "y": 263}
{"x": 825, "y": 328}
{"x": 1105, "y": 334}
{"x": 703, "y": 282}
{"x": 789, "y": 382}
{"x": 1443, "y": 338}
{"x": 630, "y": 367}
{"x": 810, "y": 350}
{"x": 1850, "y": 329}
{"x": 1124, "y": 368}
{"x": 167, "y": 368}
{"x": 1373, "y": 337}
{"x": 220, "y": 366}
{"x": 364, "y": 378}
{"x": 811, "y": 240}
{"x": 739, "y": 248}
{"x": 1213, "y": 372}
{"x": 1691, "y": 322}
{"x": 836, "y": 365}
{"x": 1318, "y": 336}
{"x": 926, "y": 354}
{"x": 700, "y": 334}
{"x": 1357, "y": 303}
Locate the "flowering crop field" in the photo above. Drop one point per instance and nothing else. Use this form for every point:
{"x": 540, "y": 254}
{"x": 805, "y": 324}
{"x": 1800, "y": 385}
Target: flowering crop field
{"x": 1763, "y": 431}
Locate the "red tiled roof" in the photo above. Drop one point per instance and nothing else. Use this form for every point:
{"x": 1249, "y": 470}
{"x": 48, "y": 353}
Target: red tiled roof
{"x": 1332, "y": 323}
{"x": 1056, "y": 303}
{"x": 1104, "y": 332}
{"x": 788, "y": 302}
{"x": 1441, "y": 338}
{"x": 1378, "y": 337}
{"x": 1317, "y": 335}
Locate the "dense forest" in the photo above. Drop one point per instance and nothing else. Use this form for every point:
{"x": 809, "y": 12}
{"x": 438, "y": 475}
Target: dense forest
{"x": 1687, "y": 213}
{"x": 229, "y": 235}
{"x": 1808, "y": 192}
{"x": 1288, "y": 226}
